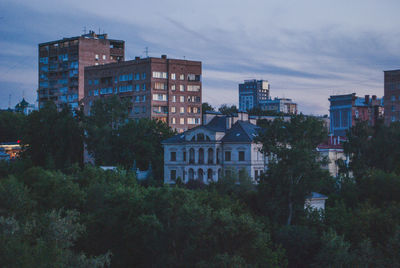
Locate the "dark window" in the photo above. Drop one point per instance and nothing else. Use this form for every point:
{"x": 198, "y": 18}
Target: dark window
{"x": 173, "y": 174}
{"x": 241, "y": 155}
{"x": 173, "y": 156}
{"x": 184, "y": 156}
{"x": 227, "y": 156}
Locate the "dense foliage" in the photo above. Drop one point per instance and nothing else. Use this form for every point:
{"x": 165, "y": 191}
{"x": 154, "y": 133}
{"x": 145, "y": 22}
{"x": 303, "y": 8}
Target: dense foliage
{"x": 57, "y": 212}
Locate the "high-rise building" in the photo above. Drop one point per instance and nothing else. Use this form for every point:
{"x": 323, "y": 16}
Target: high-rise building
{"x": 392, "y": 96}
{"x": 158, "y": 88}
{"x": 62, "y": 63}
{"x": 279, "y": 105}
{"x": 251, "y": 92}
{"x": 345, "y": 110}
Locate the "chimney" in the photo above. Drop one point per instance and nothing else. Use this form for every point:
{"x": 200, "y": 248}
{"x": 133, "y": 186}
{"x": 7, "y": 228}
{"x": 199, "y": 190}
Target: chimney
{"x": 373, "y": 97}
{"x": 228, "y": 122}
{"x": 366, "y": 99}
{"x": 137, "y": 58}
{"x": 163, "y": 56}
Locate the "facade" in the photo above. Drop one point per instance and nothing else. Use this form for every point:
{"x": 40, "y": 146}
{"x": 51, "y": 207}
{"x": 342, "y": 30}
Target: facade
{"x": 24, "y": 107}
{"x": 332, "y": 151}
{"x": 251, "y": 92}
{"x": 279, "y": 105}
{"x": 158, "y": 88}
{"x": 223, "y": 145}
{"x": 62, "y": 62}
{"x": 345, "y": 110}
{"x": 315, "y": 201}
{"x": 392, "y": 96}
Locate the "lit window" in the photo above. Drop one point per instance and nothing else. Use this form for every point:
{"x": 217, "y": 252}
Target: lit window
{"x": 173, "y": 109}
{"x": 173, "y": 98}
{"x": 173, "y": 76}
{"x": 173, "y": 120}
{"x": 96, "y": 56}
{"x": 182, "y": 121}
{"x": 182, "y": 98}
{"x": 104, "y": 57}
{"x": 182, "y": 77}
{"x": 182, "y": 110}
{"x": 173, "y": 87}
{"x": 181, "y": 87}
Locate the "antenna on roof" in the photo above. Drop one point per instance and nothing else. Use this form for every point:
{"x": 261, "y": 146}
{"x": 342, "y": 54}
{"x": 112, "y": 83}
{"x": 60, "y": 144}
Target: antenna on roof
{"x": 184, "y": 57}
{"x": 146, "y": 51}
{"x": 9, "y": 101}
{"x": 23, "y": 94}
{"x": 84, "y": 30}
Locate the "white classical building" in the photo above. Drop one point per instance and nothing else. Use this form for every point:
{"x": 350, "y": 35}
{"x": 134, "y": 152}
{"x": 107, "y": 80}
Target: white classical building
{"x": 223, "y": 144}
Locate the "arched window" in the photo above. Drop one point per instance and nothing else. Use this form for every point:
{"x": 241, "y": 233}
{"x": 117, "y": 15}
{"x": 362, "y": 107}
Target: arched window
{"x": 200, "y": 137}
{"x": 209, "y": 174}
{"x": 191, "y": 174}
{"x": 210, "y": 155}
{"x": 193, "y": 138}
{"x": 191, "y": 156}
{"x": 208, "y": 138}
{"x": 200, "y": 174}
{"x": 201, "y": 156}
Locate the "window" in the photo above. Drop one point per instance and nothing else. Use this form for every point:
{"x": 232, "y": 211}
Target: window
{"x": 182, "y": 77}
{"x": 182, "y": 110}
{"x": 161, "y": 86}
{"x": 193, "y": 77}
{"x": 173, "y": 98}
{"x": 194, "y": 88}
{"x": 181, "y": 87}
{"x": 160, "y": 75}
{"x": 241, "y": 155}
{"x": 173, "y": 120}
{"x": 137, "y": 87}
{"x": 173, "y": 87}
{"x": 143, "y": 76}
{"x": 104, "y": 57}
{"x": 144, "y": 109}
{"x": 126, "y": 77}
{"x": 173, "y": 109}
{"x": 182, "y": 121}
{"x": 137, "y": 76}
{"x": 95, "y": 92}
{"x": 227, "y": 156}
{"x": 191, "y": 120}
{"x": 182, "y": 98}
{"x": 393, "y": 98}
{"x": 173, "y": 156}
{"x": 96, "y": 56}
{"x": 173, "y": 76}
{"x": 160, "y": 97}
{"x": 173, "y": 175}
{"x": 144, "y": 87}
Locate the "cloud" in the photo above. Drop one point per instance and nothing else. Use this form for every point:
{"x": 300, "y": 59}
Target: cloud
{"x": 307, "y": 50}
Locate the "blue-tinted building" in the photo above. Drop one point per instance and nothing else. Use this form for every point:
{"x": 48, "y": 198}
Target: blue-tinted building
{"x": 251, "y": 92}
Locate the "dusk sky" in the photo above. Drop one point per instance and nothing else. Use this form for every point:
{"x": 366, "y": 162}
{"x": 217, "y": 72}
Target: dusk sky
{"x": 307, "y": 50}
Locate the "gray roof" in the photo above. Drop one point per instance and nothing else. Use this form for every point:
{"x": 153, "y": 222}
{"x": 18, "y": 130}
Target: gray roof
{"x": 241, "y": 131}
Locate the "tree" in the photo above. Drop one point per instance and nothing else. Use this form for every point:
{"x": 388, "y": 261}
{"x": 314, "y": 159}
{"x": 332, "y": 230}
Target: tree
{"x": 11, "y": 126}
{"x": 294, "y": 165}
{"x": 102, "y": 126}
{"x": 228, "y": 110}
{"x": 53, "y": 139}
{"x": 206, "y": 107}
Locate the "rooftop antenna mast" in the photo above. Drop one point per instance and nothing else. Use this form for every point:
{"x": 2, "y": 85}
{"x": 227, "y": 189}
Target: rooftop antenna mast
{"x": 84, "y": 29}
{"x": 9, "y": 101}
{"x": 146, "y": 51}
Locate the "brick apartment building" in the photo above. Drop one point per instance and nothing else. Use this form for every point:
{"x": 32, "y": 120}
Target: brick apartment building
{"x": 345, "y": 110}
{"x": 159, "y": 88}
{"x": 62, "y": 62}
{"x": 392, "y": 96}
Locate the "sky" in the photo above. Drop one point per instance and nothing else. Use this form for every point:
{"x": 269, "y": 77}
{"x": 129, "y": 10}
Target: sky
{"x": 307, "y": 50}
